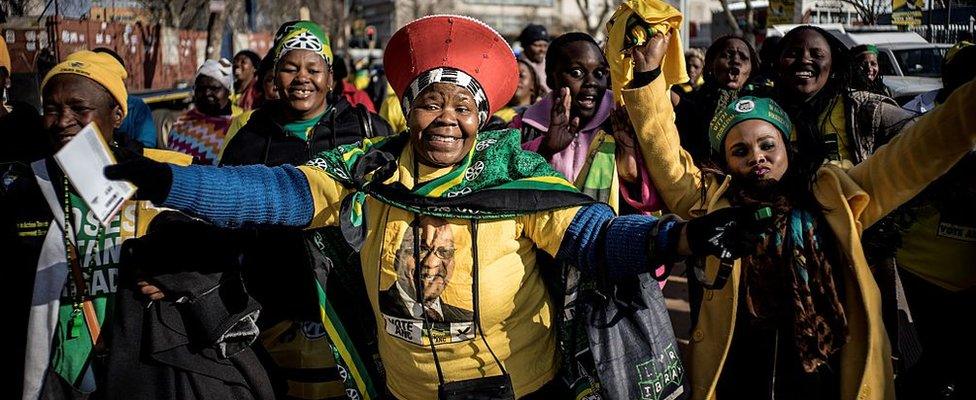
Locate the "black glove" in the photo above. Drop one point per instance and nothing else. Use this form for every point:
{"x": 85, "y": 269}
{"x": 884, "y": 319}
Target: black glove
{"x": 152, "y": 178}
{"x": 727, "y": 233}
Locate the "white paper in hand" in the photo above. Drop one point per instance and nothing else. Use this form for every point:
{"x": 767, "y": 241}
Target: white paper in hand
{"x": 83, "y": 159}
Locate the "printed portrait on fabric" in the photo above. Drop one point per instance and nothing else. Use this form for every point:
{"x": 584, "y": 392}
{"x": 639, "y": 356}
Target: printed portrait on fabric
{"x": 444, "y": 300}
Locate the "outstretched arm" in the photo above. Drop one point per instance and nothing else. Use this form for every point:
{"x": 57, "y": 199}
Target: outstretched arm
{"x": 237, "y": 196}
{"x": 648, "y": 103}
{"x": 918, "y": 155}
{"x": 591, "y": 237}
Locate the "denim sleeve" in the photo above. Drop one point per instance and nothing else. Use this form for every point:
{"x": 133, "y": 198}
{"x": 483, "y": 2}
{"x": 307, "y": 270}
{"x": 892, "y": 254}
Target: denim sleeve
{"x": 239, "y": 196}
{"x": 621, "y": 244}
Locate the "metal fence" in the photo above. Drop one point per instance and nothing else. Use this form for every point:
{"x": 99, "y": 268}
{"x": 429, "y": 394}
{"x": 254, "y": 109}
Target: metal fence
{"x": 940, "y": 33}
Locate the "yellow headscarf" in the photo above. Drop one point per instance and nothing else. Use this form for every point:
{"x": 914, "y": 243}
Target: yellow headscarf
{"x": 99, "y": 67}
{"x": 659, "y": 16}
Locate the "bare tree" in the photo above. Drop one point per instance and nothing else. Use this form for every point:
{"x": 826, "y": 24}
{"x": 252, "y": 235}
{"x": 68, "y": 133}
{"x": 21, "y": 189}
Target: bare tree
{"x": 868, "y": 10}
{"x": 423, "y": 8}
{"x": 601, "y": 9}
{"x": 179, "y": 14}
{"x": 16, "y": 8}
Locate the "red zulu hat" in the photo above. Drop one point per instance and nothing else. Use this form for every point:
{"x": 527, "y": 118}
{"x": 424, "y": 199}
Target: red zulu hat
{"x": 452, "y": 49}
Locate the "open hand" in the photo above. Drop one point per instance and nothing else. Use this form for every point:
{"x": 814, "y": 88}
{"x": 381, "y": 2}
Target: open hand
{"x": 563, "y": 127}
{"x": 648, "y": 57}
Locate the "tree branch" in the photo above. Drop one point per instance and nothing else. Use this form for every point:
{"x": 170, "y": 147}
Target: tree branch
{"x": 733, "y": 23}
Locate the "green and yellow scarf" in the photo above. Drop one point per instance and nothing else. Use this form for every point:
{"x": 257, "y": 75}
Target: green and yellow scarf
{"x": 496, "y": 180}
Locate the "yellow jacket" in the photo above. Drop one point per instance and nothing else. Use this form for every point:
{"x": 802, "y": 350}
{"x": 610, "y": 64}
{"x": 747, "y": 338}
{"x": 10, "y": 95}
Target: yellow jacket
{"x": 854, "y": 199}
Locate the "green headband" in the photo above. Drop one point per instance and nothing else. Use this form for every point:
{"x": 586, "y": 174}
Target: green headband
{"x": 301, "y": 35}
{"x": 865, "y": 48}
{"x": 744, "y": 109}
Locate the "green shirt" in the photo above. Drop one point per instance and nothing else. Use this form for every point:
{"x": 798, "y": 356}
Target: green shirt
{"x": 301, "y": 129}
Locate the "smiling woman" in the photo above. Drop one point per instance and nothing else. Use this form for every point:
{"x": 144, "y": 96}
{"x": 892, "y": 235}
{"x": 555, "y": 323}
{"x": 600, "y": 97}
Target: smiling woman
{"x": 443, "y": 122}
{"x": 303, "y": 79}
{"x": 835, "y": 123}
{"x": 800, "y": 318}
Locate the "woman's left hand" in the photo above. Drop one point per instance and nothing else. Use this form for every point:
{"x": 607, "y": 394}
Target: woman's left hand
{"x": 730, "y": 232}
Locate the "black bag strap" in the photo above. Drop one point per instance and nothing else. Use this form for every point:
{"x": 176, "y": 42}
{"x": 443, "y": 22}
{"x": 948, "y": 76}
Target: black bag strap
{"x": 365, "y": 121}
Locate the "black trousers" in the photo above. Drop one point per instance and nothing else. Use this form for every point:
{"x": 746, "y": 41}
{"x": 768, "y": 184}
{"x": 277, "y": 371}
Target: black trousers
{"x": 943, "y": 319}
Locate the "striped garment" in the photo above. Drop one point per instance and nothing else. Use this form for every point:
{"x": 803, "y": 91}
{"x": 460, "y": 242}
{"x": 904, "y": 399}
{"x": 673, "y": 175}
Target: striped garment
{"x": 199, "y": 135}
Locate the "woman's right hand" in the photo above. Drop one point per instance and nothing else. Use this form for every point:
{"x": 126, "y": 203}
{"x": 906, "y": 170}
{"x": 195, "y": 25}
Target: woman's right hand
{"x": 649, "y": 56}
{"x": 563, "y": 127}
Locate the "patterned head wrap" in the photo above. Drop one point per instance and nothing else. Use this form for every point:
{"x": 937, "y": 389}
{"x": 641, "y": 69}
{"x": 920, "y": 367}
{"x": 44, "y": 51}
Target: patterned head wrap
{"x": 301, "y": 35}
{"x": 744, "y": 109}
{"x": 452, "y": 76}
{"x": 221, "y": 70}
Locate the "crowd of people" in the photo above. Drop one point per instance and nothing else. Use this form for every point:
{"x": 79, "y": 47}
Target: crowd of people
{"x": 454, "y": 226}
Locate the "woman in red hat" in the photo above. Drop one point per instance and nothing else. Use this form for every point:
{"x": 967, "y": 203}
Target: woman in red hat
{"x": 447, "y": 219}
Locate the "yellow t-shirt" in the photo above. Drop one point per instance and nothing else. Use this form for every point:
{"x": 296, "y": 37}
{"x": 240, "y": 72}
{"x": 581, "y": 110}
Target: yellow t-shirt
{"x": 941, "y": 250}
{"x": 514, "y": 306}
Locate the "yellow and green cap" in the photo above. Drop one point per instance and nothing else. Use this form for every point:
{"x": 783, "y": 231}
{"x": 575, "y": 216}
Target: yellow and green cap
{"x": 744, "y": 109}
{"x": 301, "y": 35}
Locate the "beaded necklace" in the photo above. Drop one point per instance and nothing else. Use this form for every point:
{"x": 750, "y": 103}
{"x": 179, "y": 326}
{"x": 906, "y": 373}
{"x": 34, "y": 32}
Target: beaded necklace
{"x": 76, "y": 322}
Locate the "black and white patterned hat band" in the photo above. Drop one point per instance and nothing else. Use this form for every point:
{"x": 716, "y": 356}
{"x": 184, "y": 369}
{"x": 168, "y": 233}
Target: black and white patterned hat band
{"x": 447, "y": 75}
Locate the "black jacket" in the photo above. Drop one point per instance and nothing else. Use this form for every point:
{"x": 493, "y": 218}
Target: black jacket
{"x": 24, "y": 221}
{"x": 263, "y": 141}
{"x": 278, "y": 264}
{"x": 195, "y": 344}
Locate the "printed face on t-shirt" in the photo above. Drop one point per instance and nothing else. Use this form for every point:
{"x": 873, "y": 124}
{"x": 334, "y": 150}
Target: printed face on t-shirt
{"x": 436, "y": 258}
{"x": 446, "y": 304}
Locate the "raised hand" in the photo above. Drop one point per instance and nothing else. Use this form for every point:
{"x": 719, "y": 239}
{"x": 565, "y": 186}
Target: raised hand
{"x": 563, "y": 127}
{"x": 648, "y": 56}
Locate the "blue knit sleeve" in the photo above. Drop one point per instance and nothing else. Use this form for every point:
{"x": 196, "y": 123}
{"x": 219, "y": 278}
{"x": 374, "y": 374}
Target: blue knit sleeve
{"x": 238, "y": 196}
{"x": 621, "y": 244}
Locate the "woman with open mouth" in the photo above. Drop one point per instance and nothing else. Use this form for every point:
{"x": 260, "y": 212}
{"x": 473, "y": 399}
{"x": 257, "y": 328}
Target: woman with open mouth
{"x": 730, "y": 63}
{"x": 800, "y": 318}
{"x": 575, "y": 128}
{"x": 866, "y": 74}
